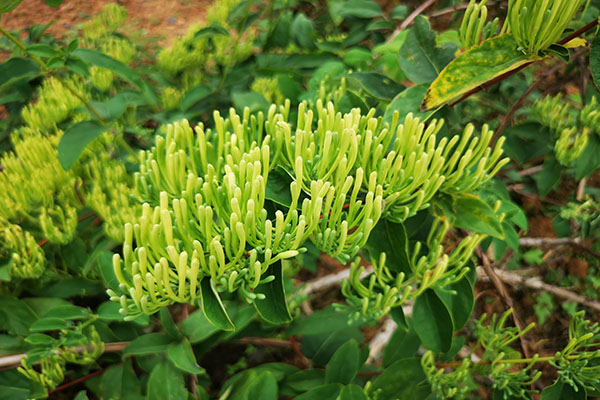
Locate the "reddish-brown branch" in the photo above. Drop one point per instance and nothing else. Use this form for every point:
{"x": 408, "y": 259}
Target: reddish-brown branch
{"x": 77, "y": 381}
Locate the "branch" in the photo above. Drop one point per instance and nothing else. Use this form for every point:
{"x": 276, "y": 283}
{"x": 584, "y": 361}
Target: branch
{"x": 549, "y": 242}
{"x": 460, "y": 7}
{"x": 410, "y": 19}
{"x": 328, "y": 281}
{"x": 536, "y": 283}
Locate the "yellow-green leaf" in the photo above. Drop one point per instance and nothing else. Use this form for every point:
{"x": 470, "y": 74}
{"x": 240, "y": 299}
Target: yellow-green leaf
{"x": 475, "y": 67}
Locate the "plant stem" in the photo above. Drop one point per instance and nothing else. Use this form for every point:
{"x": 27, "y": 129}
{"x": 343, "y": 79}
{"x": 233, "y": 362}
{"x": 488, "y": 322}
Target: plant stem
{"x": 46, "y": 70}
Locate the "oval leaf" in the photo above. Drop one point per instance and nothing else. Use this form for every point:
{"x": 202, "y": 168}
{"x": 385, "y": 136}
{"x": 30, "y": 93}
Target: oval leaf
{"x": 344, "y": 364}
{"x": 433, "y": 322}
{"x": 274, "y": 307}
{"x": 213, "y": 308}
{"x": 75, "y": 139}
{"x": 182, "y": 356}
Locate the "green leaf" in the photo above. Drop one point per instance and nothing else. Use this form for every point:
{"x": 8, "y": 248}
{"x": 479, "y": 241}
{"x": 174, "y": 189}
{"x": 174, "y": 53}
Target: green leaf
{"x": 264, "y": 387}
{"x": 254, "y": 101}
{"x": 107, "y": 271}
{"x": 323, "y": 392}
{"x": 274, "y": 307}
{"x": 48, "y": 324}
{"x": 377, "y": 85}
{"x": 82, "y": 395}
{"x": 549, "y": 176}
{"x": 588, "y": 161}
{"x": 397, "y": 314}
{"x": 403, "y": 379}
{"x": 278, "y": 187}
{"x": 194, "y": 95}
{"x": 402, "y": 344}
{"x": 197, "y": 328}
{"x": 320, "y": 348}
{"x": 595, "y": 60}
{"x": 150, "y": 343}
{"x": 67, "y": 312}
{"x": 390, "y": 238}
{"x": 319, "y": 322}
{"x": 75, "y": 139}
{"x": 407, "y": 101}
{"x": 39, "y": 339}
{"x": 109, "y": 311}
{"x": 168, "y": 324}
{"x": 54, "y": 3}
{"x": 473, "y": 68}
{"x": 15, "y": 316}
{"x": 460, "y": 304}
{"x": 304, "y": 380}
{"x": 344, "y": 364}
{"x": 353, "y": 392}
{"x": 120, "y": 382}
{"x": 420, "y": 59}
{"x": 166, "y": 383}
{"x": 432, "y": 322}
{"x": 42, "y": 50}
{"x": 474, "y": 214}
{"x": 303, "y": 32}
{"x": 112, "y": 108}
{"x": 561, "y": 390}
{"x": 213, "y": 306}
{"x": 17, "y": 70}
{"x": 8, "y": 5}
{"x": 182, "y": 356}
{"x": 361, "y": 9}
{"x": 212, "y": 30}
{"x": 290, "y": 88}
{"x": 15, "y": 386}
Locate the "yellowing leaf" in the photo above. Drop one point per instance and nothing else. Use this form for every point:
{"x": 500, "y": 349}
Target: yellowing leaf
{"x": 473, "y": 68}
{"x": 575, "y": 42}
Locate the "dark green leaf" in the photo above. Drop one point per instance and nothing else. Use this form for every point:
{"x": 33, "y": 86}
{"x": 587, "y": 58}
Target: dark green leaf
{"x": 67, "y": 312}
{"x": 15, "y": 316}
{"x": 397, "y": 314}
{"x": 459, "y": 304}
{"x": 303, "y": 31}
{"x": 253, "y": 100}
{"x": 361, "y": 9}
{"x": 353, "y": 392}
{"x": 323, "y": 392}
{"x": 75, "y": 139}
{"x": 166, "y": 383}
{"x": 110, "y": 109}
{"x": 212, "y": 30}
{"x": 150, "y": 343}
{"x": 194, "y": 95}
{"x": 407, "y": 101}
{"x": 595, "y": 60}
{"x": 402, "y": 380}
{"x": 321, "y": 321}
{"x": 549, "y": 176}
{"x": 274, "y": 307}
{"x": 562, "y": 391}
{"x": 168, "y": 324}
{"x": 213, "y": 307}
{"x": 390, "y": 238}
{"x": 109, "y": 311}
{"x": 290, "y": 88}
{"x": 53, "y": 3}
{"x": 8, "y": 5}
{"x": 39, "y": 339}
{"x": 302, "y": 381}
{"x": 420, "y": 59}
{"x": 377, "y": 85}
{"x": 15, "y": 386}
{"x": 402, "y": 344}
{"x": 17, "y": 70}
{"x": 344, "y": 364}
{"x": 197, "y": 328}
{"x": 182, "y": 356}
{"x": 42, "y": 50}
{"x": 278, "y": 187}
{"x": 433, "y": 322}
{"x": 120, "y": 382}
{"x": 320, "y": 348}
{"x": 48, "y": 324}
{"x": 264, "y": 387}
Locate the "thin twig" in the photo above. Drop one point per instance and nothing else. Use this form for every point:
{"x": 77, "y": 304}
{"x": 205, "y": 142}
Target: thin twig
{"x": 460, "y": 7}
{"x": 77, "y": 381}
{"x": 535, "y": 282}
{"x": 548, "y": 242}
{"x": 410, "y": 19}
{"x": 328, "y": 281}
{"x": 497, "y": 282}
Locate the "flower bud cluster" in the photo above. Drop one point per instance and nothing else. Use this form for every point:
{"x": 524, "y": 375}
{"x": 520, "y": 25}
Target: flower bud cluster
{"x": 208, "y": 214}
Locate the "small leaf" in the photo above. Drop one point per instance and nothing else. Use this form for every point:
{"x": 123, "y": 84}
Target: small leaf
{"x": 344, "y": 364}
{"x": 460, "y": 304}
{"x": 278, "y": 187}
{"x": 53, "y": 3}
{"x": 549, "y": 176}
{"x": 595, "y": 60}
{"x": 323, "y": 392}
{"x": 433, "y": 322}
{"x": 168, "y": 324}
{"x": 212, "y": 30}
{"x": 474, "y": 214}
{"x": 120, "y": 382}
{"x": 39, "y": 339}
{"x": 361, "y": 9}
{"x": 303, "y": 31}
{"x": 75, "y": 140}
{"x": 150, "y": 343}
{"x": 17, "y": 70}
{"x": 420, "y": 59}
{"x": 407, "y": 101}
{"x": 377, "y": 85}
{"x": 182, "y": 356}
{"x": 254, "y": 101}
{"x": 8, "y": 5}
{"x": 82, "y": 395}
{"x": 42, "y": 50}
{"x": 166, "y": 383}
{"x": 194, "y": 95}
{"x": 264, "y": 387}
{"x": 403, "y": 379}
{"x": 197, "y": 328}
{"x": 105, "y": 264}
{"x": 213, "y": 307}
{"x": 561, "y": 390}
{"x": 473, "y": 68}
{"x": 112, "y": 108}
{"x": 353, "y": 392}
{"x": 48, "y": 324}
{"x": 390, "y": 238}
{"x": 402, "y": 344}
{"x": 67, "y": 312}
{"x": 273, "y": 308}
